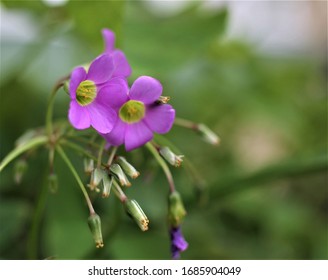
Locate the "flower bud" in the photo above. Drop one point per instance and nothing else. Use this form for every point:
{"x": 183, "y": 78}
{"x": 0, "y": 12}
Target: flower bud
{"x": 66, "y": 86}
{"x": 88, "y": 165}
{"x": 177, "y": 210}
{"x": 96, "y": 177}
{"x": 94, "y": 223}
{"x": 116, "y": 170}
{"x": 171, "y": 157}
{"x": 53, "y": 182}
{"x": 127, "y": 167}
{"x": 134, "y": 210}
{"x": 19, "y": 170}
{"x": 208, "y": 135}
{"x": 107, "y": 185}
{"x": 27, "y": 136}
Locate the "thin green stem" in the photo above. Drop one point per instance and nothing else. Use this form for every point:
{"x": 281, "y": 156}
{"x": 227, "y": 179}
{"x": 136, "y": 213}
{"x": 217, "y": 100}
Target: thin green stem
{"x": 37, "y": 141}
{"x": 119, "y": 192}
{"x": 163, "y": 164}
{"x": 112, "y": 155}
{"x": 33, "y": 237}
{"x": 186, "y": 123}
{"x": 77, "y": 148}
{"x": 100, "y": 153}
{"x": 77, "y": 177}
{"x": 49, "y": 113}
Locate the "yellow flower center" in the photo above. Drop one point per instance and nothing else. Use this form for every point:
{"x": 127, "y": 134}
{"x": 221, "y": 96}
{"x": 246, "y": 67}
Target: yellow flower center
{"x": 132, "y": 111}
{"x": 86, "y": 92}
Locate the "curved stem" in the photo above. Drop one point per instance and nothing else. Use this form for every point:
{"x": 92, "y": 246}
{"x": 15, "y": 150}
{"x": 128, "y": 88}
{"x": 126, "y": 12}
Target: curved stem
{"x": 112, "y": 155}
{"x": 57, "y": 86}
{"x": 77, "y": 177}
{"x": 186, "y": 123}
{"x": 163, "y": 164}
{"x": 101, "y": 151}
{"x": 32, "y": 243}
{"x": 37, "y": 141}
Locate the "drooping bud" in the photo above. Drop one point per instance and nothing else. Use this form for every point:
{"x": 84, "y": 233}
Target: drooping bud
{"x": 53, "y": 182}
{"x": 96, "y": 177}
{"x": 127, "y": 167}
{"x": 163, "y": 100}
{"x": 19, "y": 170}
{"x": 208, "y": 135}
{"x": 107, "y": 185}
{"x": 94, "y": 223}
{"x": 117, "y": 171}
{"x": 66, "y": 86}
{"x": 27, "y": 136}
{"x": 177, "y": 210}
{"x": 88, "y": 165}
{"x": 134, "y": 210}
{"x": 171, "y": 157}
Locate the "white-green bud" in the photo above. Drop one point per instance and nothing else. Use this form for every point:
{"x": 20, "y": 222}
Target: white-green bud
{"x": 208, "y": 135}
{"x": 107, "y": 185}
{"x": 171, "y": 157}
{"x": 134, "y": 210}
{"x": 88, "y": 165}
{"x": 96, "y": 177}
{"x": 177, "y": 210}
{"x": 127, "y": 167}
{"x": 94, "y": 223}
{"x": 20, "y": 168}
{"x": 53, "y": 182}
{"x": 117, "y": 171}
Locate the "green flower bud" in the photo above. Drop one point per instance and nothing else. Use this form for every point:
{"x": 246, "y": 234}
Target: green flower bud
{"x": 107, "y": 185}
{"x": 96, "y": 177}
{"x": 171, "y": 157}
{"x": 53, "y": 182}
{"x": 88, "y": 164}
{"x": 177, "y": 210}
{"x": 117, "y": 171}
{"x": 66, "y": 86}
{"x": 127, "y": 167}
{"x": 94, "y": 223}
{"x": 19, "y": 170}
{"x": 208, "y": 135}
{"x": 27, "y": 136}
{"x": 134, "y": 210}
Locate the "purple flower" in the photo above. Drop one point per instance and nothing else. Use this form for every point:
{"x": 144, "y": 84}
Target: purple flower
{"x": 121, "y": 65}
{"x": 178, "y": 243}
{"x": 139, "y": 115}
{"x": 90, "y": 93}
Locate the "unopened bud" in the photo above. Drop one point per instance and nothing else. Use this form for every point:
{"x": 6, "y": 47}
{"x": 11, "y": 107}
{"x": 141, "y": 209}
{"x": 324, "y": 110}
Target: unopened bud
{"x": 118, "y": 172}
{"x": 66, "y": 86}
{"x": 94, "y": 223}
{"x": 19, "y": 170}
{"x": 96, "y": 177}
{"x": 163, "y": 99}
{"x": 177, "y": 210}
{"x": 27, "y": 136}
{"x": 53, "y": 182}
{"x": 88, "y": 165}
{"x": 107, "y": 185}
{"x": 134, "y": 210}
{"x": 127, "y": 167}
{"x": 171, "y": 157}
{"x": 208, "y": 135}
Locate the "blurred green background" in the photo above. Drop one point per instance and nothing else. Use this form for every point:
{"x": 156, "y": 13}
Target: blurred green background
{"x": 266, "y": 184}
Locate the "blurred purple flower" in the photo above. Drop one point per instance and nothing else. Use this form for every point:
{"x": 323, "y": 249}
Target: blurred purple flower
{"x": 178, "y": 243}
{"x": 121, "y": 65}
{"x": 90, "y": 93}
{"x": 140, "y": 115}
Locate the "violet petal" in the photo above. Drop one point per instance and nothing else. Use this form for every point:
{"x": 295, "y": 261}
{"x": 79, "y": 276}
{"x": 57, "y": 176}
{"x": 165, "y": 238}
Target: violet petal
{"x": 109, "y": 38}
{"x": 160, "y": 118}
{"x": 78, "y": 116}
{"x": 101, "y": 69}
{"x": 102, "y": 117}
{"x": 121, "y": 65}
{"x": 136, "y": 135}
{"x": 117, "y": 135}
{"x": 146, "y": 89}
{"x": 77, "y": 76}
